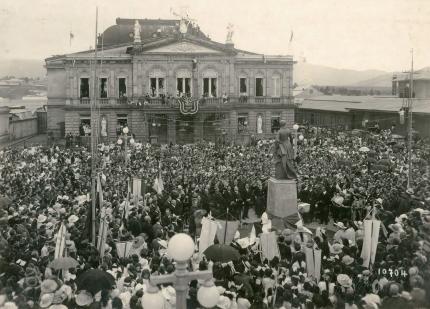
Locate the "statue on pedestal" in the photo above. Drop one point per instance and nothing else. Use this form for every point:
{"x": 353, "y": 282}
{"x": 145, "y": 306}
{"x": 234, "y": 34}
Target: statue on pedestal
{"x": 229, "y": 39}
{"x": 259, "y": 124}
{"x": 283, "y": 154}
{"x": 137, "y": 29}
{"x": 103, "y": 131}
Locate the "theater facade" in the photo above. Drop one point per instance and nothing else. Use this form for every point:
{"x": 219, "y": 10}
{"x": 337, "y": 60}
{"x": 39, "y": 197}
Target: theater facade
{"x": 167, "y": 81}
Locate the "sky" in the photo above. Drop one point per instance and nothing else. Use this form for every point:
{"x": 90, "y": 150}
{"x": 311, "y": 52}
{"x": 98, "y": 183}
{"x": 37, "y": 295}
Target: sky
{"x": 347, "y": 34}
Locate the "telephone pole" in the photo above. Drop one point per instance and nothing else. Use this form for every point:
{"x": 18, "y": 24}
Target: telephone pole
{"x": 410, "y": 105}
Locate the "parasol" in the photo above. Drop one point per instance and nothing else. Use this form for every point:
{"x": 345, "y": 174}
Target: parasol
{"x": 364, "y": 149}
{"x": 95, "y": 280}
{"x": 63, "y": 263}
{"x": 221, "y": 253}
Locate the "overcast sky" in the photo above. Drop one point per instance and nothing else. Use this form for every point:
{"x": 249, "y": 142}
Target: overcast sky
{"x": 355, "y": 34}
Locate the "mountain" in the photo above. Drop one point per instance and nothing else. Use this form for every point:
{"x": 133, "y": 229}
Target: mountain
{"x": 383, "y": 80}
{"x": 311, "y": 74}
{"x": 22, "y": 68}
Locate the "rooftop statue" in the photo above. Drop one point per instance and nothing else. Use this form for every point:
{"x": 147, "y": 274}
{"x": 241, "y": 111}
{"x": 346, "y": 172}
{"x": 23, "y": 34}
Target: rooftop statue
{"x": 229, "y": 34}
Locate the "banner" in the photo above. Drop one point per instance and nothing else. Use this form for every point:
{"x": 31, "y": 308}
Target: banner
{"x": 60, "y": 244}
{"x": 370, "y": 241}
{"x": 101, "y": 242}
{"x": 269, "y": 246}
{"x": 188, "y": 106}
{"x": 226, "y": 236}
{"x": 207, "y": 234}
{"x": 313, "y": 263}
{"x": 123, "y": 248}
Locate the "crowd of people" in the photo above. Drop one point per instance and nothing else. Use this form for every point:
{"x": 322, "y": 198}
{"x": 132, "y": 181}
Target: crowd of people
{"x": 342, "y": 176}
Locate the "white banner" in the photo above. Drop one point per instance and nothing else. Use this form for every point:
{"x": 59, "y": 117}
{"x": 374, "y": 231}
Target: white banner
{"x": 207, "y": 234}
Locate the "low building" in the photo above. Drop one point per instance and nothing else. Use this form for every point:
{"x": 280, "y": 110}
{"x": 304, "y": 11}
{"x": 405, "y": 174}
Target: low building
{"x": 355, "y": 112}
{"x": 421, "y": 84}
{"x": 168, "y": 82}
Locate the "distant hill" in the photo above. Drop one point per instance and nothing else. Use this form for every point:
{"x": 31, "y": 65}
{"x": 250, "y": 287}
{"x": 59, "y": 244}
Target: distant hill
{"x": 383, "y": 80}
{"x": 22, "y": 68}
{"x": 311, "y": 74}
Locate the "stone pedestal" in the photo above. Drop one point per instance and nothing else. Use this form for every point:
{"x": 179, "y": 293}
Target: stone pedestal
{"x": 281, "y": 197}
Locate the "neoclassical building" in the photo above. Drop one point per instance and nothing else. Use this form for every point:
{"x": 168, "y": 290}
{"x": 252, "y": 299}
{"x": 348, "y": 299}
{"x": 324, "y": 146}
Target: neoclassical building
{"x": 169, "y": 82}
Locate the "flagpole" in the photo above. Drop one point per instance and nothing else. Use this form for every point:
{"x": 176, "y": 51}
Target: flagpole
{"x": 94, "y": 141}
{"x": 411, "y": 95}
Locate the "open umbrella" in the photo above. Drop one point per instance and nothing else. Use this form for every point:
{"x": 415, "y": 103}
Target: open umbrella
{"x": 364, "y": 149}
{"x": 221, "y": 253}
{"x": 64, "y": 263}
{"x": 95, "y": 280}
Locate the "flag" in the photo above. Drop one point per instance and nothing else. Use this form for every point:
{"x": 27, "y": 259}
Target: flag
{"x": 269, "y": 246}
{"x": 226, "y": 237}
{"x": 60, "y": 242}
{"x": 71, "y": 37}
{"x": 101, "y": 242}
{"x": 370, "y": 241}
{"x": 313, "y": 263}
{"x": 291, "y": 36}
{"x": 207, "y": 234}
{"x": 123, "y": 248}
{"x": 158, "y": 182}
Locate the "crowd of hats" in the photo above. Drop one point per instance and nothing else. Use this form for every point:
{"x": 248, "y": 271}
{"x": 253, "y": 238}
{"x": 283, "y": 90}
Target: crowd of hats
{"x": 44, "y": 187}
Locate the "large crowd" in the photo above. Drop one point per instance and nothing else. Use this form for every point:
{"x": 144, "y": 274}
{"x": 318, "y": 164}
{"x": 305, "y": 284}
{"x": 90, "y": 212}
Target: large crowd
{"x": 342, "y": 176}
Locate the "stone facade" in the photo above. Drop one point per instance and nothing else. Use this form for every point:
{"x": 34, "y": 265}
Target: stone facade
{"x": 167, "y": 62}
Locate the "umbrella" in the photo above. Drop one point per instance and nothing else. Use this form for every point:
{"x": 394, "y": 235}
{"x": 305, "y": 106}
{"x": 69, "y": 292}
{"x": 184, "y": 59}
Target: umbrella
{"x": 221, "y": 253}
{"x": 95, "y": 280}
{"x": 397, "y": 136}
{"x": 364, "y": 149}
{"x": 63, "y": 263}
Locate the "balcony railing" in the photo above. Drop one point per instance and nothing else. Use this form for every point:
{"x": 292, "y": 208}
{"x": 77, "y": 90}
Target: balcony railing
{"x": 173, "y": 102}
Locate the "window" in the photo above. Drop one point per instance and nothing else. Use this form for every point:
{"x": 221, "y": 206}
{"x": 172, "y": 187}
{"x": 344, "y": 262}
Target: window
{"x": 276, "y": 86}
{"x": 243, "y": 83}
{"x": 275, "y": 123}
{"x": 122, "y": 121}
{"x": 85, "y": 126}
{"x": 259, "y": 87}
{"x": 156, "y": 86}
{"x": 103, "y": 88}
{"x": 84, "y": 91}
{"x": 122, "y": 87}
{"x": 183, "y": 86}
{"x": 242, "y": 123}
{"x": 210, "y": 87}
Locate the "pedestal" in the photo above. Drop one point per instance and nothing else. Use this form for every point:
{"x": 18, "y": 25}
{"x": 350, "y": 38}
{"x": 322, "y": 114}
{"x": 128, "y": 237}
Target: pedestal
{"x": 281, "y": 197}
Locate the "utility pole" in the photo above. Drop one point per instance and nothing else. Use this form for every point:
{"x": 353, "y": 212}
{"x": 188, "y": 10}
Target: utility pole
{"x": 410, "y": 104}
{"x": 94, "y": 137}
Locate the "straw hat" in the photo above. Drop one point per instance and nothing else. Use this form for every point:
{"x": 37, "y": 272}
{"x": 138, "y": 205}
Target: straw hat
{"x": 336, "y": 248}
{"x": 84, "y": 298}
{"x": 344, "y": 280}
{"x": 41, "y": 218}
{"x": 347, "y": 260}
{"x": 46, "y": 300}
{"x": 340, "y": 225}
{"x": 73, "y": 219}
{"x": 48, "y": 286}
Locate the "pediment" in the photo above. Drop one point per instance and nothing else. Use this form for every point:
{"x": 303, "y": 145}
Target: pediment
{"x": 184, "y": 47}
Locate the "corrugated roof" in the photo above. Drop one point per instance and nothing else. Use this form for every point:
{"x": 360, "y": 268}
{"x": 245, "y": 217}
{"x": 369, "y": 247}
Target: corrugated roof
{"x": 346, "y": 103}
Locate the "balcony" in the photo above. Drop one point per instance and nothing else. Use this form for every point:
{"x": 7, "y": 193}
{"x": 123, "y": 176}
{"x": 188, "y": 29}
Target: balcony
{"x": 173, "y": 102}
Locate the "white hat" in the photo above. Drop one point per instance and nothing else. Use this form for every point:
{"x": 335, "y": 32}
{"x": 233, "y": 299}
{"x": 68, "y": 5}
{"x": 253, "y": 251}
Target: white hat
{"x": 340, "y": 225}
{"x": 73, "y": 219}
{"x": 46, "y": 300}
{"x": 41, "y": 218}
{"x": 224, "y": 302}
